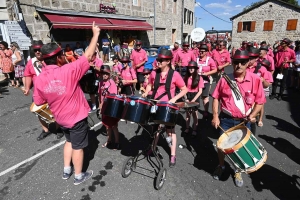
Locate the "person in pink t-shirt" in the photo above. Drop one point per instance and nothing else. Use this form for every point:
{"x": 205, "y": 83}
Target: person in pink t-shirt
{"x": 195, "y": 49}
{"x": 117, "y": 66}
{"x": 58, "y": 84}
{"x": 248, "y": 100}
{"x": 194, "y": 84}
{"x": 108, "y": 86}
{"x": 207, "y": 67}
{"x": 244, "y": 46}
{"x": 164, "y": 64}
{"x": 138, "y": 59}
{"x": 174, "y": 51}
{"x": 259, "y": 68}
{"x": 128, "y": 76}
{"x": 183, "y": 57}
{"x": 222, "y": 58}
{"x": 146, "y": 73}
{"x": 264, "y": 55}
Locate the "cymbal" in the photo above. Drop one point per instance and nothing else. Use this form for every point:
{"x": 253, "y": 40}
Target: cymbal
{"x": 187, "y": 104}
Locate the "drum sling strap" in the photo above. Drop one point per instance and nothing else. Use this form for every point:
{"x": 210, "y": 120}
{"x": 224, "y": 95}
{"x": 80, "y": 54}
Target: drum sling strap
{"x": 167, "y": 84}
{"x": 258, "y": 66}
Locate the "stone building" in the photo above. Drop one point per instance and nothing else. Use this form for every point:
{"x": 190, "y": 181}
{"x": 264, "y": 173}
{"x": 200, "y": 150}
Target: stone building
{"x": 269, "y": 21}
{"x": 68, "y": 21}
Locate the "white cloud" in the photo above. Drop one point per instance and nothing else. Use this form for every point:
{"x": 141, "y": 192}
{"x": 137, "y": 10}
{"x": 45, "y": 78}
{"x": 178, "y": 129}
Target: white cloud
{"x": 227, "y": 7}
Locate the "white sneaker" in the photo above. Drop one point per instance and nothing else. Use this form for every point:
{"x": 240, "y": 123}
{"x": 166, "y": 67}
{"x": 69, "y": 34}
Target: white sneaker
{"x": 94, "y": 108}
{"x": 131, "y": 122}
{"x": 122, "y": 120}
{"x": 140, "y": 92}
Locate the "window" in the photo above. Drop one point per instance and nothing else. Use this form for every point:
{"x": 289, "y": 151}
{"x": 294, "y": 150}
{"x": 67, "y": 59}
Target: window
{"x": 192, "y": 18}
{"x": 136, "y": 2}
{"x": 246, "y": 26}
{"x": 268, "y": 25}
{"x": 185, "y": 13}
{"x": 291, "y": 24}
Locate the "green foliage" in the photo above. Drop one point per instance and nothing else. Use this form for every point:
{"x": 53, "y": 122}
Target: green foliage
{"x": 293, "y": 2}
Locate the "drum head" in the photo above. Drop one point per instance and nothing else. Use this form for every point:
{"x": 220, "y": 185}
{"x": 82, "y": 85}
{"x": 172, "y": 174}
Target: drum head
{"x": 233, "y": 138}
{"x": 34, "y": 108}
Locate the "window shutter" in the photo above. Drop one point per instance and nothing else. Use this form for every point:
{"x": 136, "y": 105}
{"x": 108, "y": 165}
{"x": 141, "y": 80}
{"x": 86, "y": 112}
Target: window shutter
{"x": 291, "y": 24}
{"x": 268, "y": 25}
{"x": 252, "y": 28}
{"x": 240, "y": 26}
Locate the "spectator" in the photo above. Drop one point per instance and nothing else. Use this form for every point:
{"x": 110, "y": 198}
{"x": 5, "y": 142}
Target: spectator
{"x": 105, "y": 49}
{"x": 78, "y": 50}
{"x": 18, "y": 63}
{"x": 6, "y": 62}
{"x": 69, "y": 53}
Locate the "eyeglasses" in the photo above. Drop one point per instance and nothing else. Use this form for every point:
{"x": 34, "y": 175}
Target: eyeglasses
{"x": 35, "y": 50}
{"x": 160, "y": 60}
{"x": 243, "y": 62}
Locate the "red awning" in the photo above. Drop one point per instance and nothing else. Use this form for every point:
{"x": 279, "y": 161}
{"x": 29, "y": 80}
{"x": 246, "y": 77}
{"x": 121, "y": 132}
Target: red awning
{"x": 130, "y": 24}
{"x": 81, "y": 22}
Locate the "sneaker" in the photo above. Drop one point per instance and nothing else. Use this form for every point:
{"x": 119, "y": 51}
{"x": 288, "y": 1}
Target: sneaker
{"x": 272, "y": 96}
{"x": 279, "y": 98}
{"x": 172, "y": 162}
{"x": 122, "y": 120}
{"x": 238, "y": 179}
{"x": 66, "y": 176}
{"x": 43, "y": 135}
{"x": 140, "y": 92}
{"x": 218, "y": 173}
{"x": 131, "y": 122}
{"x": 85, "y": 176}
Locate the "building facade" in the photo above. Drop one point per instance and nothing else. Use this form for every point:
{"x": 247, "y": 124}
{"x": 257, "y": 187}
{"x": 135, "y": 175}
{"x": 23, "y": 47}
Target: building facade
{"x": 154, "y": 22}
{"x": 270, "y": 21}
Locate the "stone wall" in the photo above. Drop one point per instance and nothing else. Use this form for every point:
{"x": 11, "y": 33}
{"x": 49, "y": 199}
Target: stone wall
{"x": 165, "y": 19}
{"x": 273, "y": 10}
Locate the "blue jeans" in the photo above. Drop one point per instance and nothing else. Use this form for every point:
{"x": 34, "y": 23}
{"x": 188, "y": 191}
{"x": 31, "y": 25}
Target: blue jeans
{"x": 227, "y": 123}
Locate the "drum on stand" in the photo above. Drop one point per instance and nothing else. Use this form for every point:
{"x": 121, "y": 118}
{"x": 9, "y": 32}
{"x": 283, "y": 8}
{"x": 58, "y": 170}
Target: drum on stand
{"x": 113, "y": 106}
{"x": 89, "y": 82}
{"x": 242, "y": 148}
{"x": 43, "y": 112}
{"x": 166, "y": 113}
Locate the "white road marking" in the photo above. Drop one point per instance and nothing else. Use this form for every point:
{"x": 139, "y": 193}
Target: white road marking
{"x": 39, "y": 154}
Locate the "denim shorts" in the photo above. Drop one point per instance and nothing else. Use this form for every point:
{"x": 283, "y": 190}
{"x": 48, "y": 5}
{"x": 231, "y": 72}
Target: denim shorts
{"x": 105, "y": 50}
{"x": 227, "y": 123}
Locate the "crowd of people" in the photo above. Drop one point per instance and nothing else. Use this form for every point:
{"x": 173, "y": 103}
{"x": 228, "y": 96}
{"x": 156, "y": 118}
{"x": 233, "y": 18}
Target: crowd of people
{"x": 180, "y": 74}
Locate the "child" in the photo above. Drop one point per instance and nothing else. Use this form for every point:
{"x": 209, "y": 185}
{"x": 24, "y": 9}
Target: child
{"x": 108, "y": 86}
{"x": 146, "y": 74}
{"x": 194, "y": 83}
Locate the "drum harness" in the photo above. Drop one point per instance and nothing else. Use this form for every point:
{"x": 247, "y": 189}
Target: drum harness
{"x": 167, "y": 84}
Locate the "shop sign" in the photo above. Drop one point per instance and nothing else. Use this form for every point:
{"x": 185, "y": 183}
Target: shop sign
{"x": 107, "y": 9}
{"x": 17, "y": 33}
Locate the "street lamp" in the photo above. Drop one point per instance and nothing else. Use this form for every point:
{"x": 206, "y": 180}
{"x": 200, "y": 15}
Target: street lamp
{"x": 196, "y": 20}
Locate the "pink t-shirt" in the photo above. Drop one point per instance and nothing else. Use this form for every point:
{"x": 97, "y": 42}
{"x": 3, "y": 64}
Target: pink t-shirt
{"x": 29, "y": 70}
{"x": 250, "y": 83}
{"x": 189, "y": 85}
{"x": 128, "y": 74}
{"x": 146, "y": 82}
{"x": 137, "y": 57}
{"x": 270, "y": 53}
{"x": 58, "y": 86}
{"x": 203, "y": 67}
{"x": 196, "y": 52}
{"x": 155, "y": 64}
{"x": 174, "y": 53}
{"x": 262, "y": 72}
{"x": 176, "y": 81}
{"x": 185, "y": 57}
{"x": 284, "y": 55}
{"x": 222, "y": 57}
{"x": 271, "y": 60}
{"x": 98, "y": 63}
{"x": 117, "y": 67}
{"x": 106, "y": 87}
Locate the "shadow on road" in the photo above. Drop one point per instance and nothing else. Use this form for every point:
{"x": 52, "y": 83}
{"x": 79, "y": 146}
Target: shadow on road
{"x": 283, "y": 146}
{"x": 285, "y": 126}
{"x": 280, "y": 184}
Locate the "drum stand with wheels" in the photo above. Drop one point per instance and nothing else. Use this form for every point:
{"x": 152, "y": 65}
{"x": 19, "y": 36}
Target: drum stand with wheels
{"x": 130, "y": 163}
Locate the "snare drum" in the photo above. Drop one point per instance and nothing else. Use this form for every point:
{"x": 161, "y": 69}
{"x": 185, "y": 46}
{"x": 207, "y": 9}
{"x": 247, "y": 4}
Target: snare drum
{"x": 89, "y": 82}
{"x": 243, "y": 149}
{"x": 113, "y": 106}
{"x": 137, "y": 110}
{"x": 43, "y": 112}
{"x": 166, "y": 113}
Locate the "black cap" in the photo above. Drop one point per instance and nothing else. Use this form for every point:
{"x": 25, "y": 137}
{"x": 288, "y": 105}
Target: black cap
{"x": 125, "y": 59}
{"x": 204, "y": 46}
{"x": 264, "y": 47}
{"x": 37, "y": 44}
{"x": 165, "y": 54}
{"x": 105, "y": 68}
{"x": 115, "y": 57}
{"x": 185, "y": 44}
{"x": 146, "y": 71}
{"x": 241, "y": 55}
{"x": 253, "y": 52}
{"x": 138, "y": 42}
{"x": 193, "y": 64}
{"x": 265, "y": 63}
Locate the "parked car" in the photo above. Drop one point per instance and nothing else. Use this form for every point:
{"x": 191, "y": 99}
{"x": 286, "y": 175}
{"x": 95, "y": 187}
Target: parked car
{"x": 152, "y": 53}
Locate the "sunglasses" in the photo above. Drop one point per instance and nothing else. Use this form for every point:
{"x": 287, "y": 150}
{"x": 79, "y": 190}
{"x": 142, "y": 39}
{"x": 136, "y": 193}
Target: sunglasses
{"x": 138, "y": 45}
{"x": 105, "y": 73}
{"x": 202, "y": 51}
{"x": 35, "y": 50}
{"x": 161, "y": 60}
{"x": 243, "y": 62}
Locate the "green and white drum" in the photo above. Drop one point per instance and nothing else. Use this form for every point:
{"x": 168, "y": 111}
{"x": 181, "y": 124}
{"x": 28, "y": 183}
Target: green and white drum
{"x": 242, "y": 148}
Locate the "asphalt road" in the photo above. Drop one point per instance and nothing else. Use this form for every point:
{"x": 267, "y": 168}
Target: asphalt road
{"x": 40, "y": 178}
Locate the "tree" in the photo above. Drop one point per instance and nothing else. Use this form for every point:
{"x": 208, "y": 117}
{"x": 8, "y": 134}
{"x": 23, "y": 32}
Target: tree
{"x": 293, "y": 2}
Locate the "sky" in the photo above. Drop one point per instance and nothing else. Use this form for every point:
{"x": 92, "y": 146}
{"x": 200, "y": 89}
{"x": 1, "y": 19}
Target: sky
{"x": 223, "y": 9}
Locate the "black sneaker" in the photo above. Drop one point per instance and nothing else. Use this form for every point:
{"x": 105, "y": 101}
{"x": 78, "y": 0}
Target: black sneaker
{"x": 272, "y": 96}
{"x": 279, "y": 98}
{"x": 43, "y": 135}
{"x": 66, "y": 176}
{"x": 218, "y": 173}
{"x": 85, "y": 176}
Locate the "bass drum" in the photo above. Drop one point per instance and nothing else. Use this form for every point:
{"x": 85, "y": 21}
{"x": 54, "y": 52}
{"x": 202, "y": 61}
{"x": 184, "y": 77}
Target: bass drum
{"x": 89, "y": 82}
{"x": 113, "y": 106}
